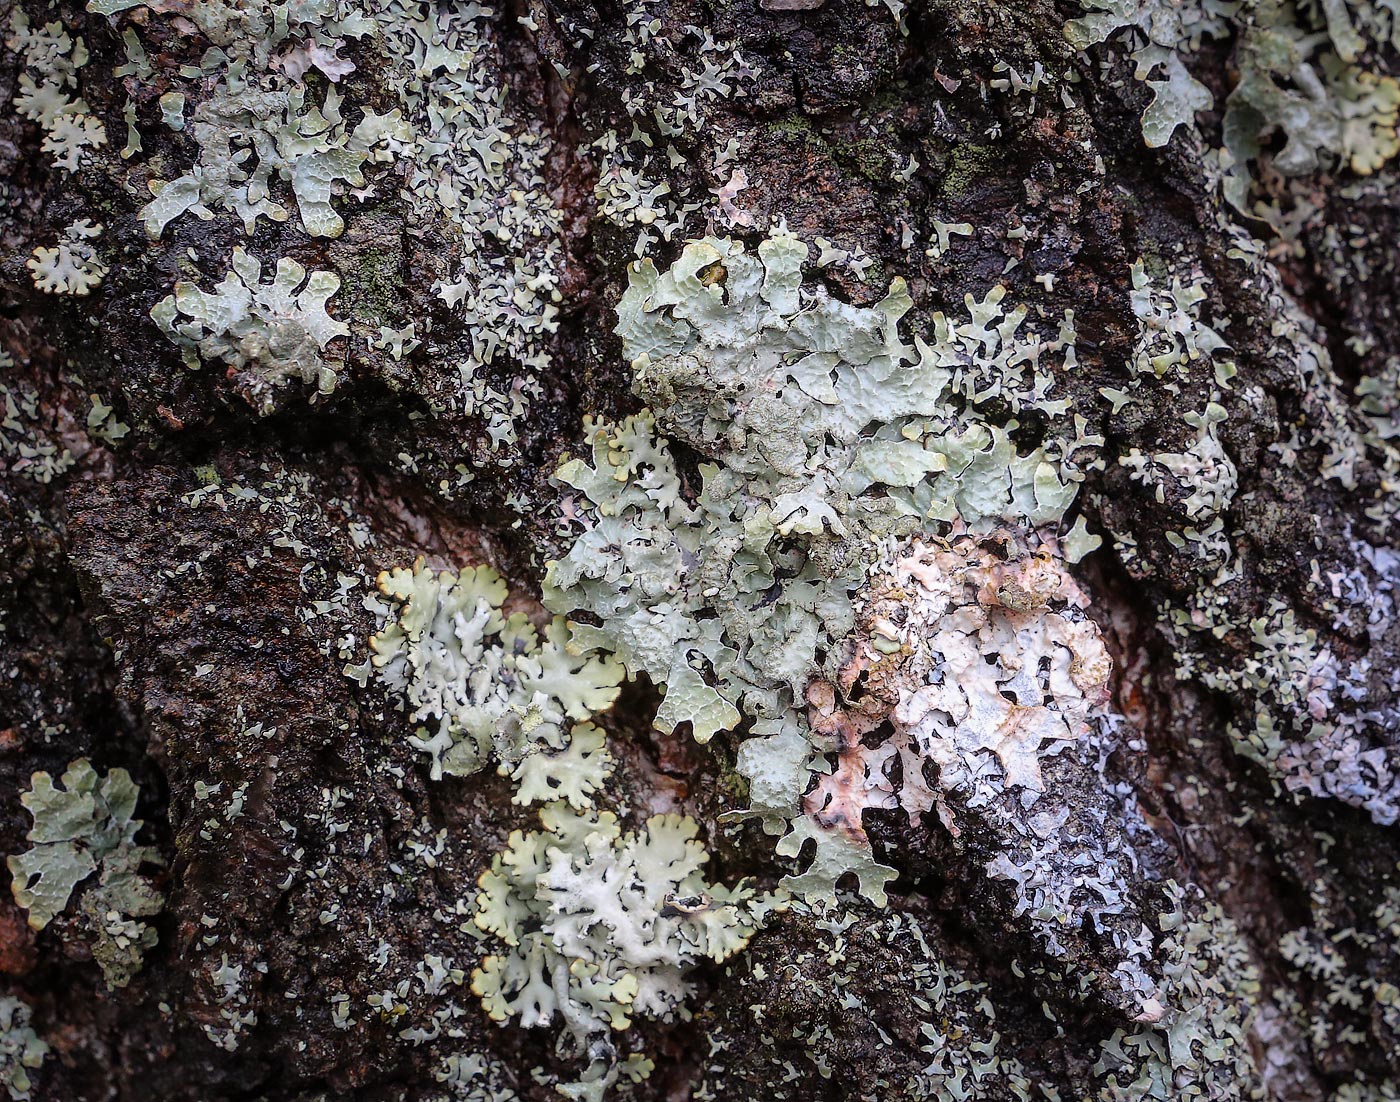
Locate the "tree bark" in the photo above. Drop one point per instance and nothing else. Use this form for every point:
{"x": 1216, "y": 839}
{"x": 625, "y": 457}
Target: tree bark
{"x": 192, "y": 520}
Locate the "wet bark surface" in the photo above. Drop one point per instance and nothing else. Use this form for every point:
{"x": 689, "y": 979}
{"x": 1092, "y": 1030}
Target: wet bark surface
{"x": 159, "y": 611}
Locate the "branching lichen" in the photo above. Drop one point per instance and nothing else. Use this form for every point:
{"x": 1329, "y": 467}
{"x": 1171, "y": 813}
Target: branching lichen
{"x": 601, "y": 925}
{"x": 483, "y": 684}
{"x": 270, "y": 333}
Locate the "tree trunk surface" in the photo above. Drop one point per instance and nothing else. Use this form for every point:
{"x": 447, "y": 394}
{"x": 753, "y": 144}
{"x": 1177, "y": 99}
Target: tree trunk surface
{"x": 905, "y": 509}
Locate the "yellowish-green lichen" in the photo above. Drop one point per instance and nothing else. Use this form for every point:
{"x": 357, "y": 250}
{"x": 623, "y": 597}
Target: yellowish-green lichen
{"x": 21, "y": 1049}
{"x": 479, "y": 683}
{"x": 88, "y": 826}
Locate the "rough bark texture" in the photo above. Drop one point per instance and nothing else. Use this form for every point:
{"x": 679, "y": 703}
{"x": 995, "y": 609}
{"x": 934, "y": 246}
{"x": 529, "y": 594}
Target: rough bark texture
{"x": 181, "y": 600}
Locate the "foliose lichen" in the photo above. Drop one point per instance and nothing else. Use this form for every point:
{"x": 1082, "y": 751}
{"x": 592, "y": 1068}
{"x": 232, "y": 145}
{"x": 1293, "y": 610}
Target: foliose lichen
{"x": 1299, "y": 76}
{"x": 28, "y": 444}
{"x": 601, "y": 925}
{"x": 1201, "y": 1049}
{"x": 825, "y": 435}
{"x": 280, "y": 133}
{"x": 21, "y": 1049}
{"x": 269, "y": 333}
{"x": 72, "y": 267}
{"x": 940, "y": 1035}
{"x": 85, "y": 827}
{"x": 1309, "y": 715}
{"x": 481, "y": 684}
{"x": 48, "y": 89}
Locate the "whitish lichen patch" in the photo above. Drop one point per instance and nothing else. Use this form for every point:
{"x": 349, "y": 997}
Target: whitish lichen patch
{"x": 826, "y": 433}
{"x": 481, "y": 684}
{"x": 601, "y": 925}
{"x": 970, "y": 649}
{"x": 268, "y": 333}
{"x": 72, "y": 267}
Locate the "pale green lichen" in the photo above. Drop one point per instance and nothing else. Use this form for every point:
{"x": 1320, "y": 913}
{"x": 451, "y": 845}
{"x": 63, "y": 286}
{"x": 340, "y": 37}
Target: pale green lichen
{"x": 1344, "y": 994}
{"x": 48, "y": 86}
{"x": 481, "y": 684}
{"x": 600, "y": 926}
{"x": 269, "y": 333}
{"x": 950, "y": 1046}
{"x": 21, "y": 1049}
{"x": 72, "y": 267}
{"x": 103, "y": 423}
{"x": 574, "y": 774}
{"x": 942, "y": 1032}
{"x": 808, "y": 518}
{"x": 1162, "y": 36}
{"x": 479, "y": 170}
{"x": 1326, "y": 108}
{"x": 308, "y": 145}
{"x": 1201, "y": 1047}
{"x": 114, "y": 907}
{"x": 647, "y": 137}
{"x": 1174, "y": 343}
{"x": 233, "y": 998}
{"x": 828, "y": 434}
{"x": 473, "y": 1077}
{"x": 1298, "y": 77}
{"x": 76, "y": 828}
{"x": 466, "y": 169}
{"x": 84, "y": 827}
{"x": 1303, "y": 716}
{"x": 255, "y": 125}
